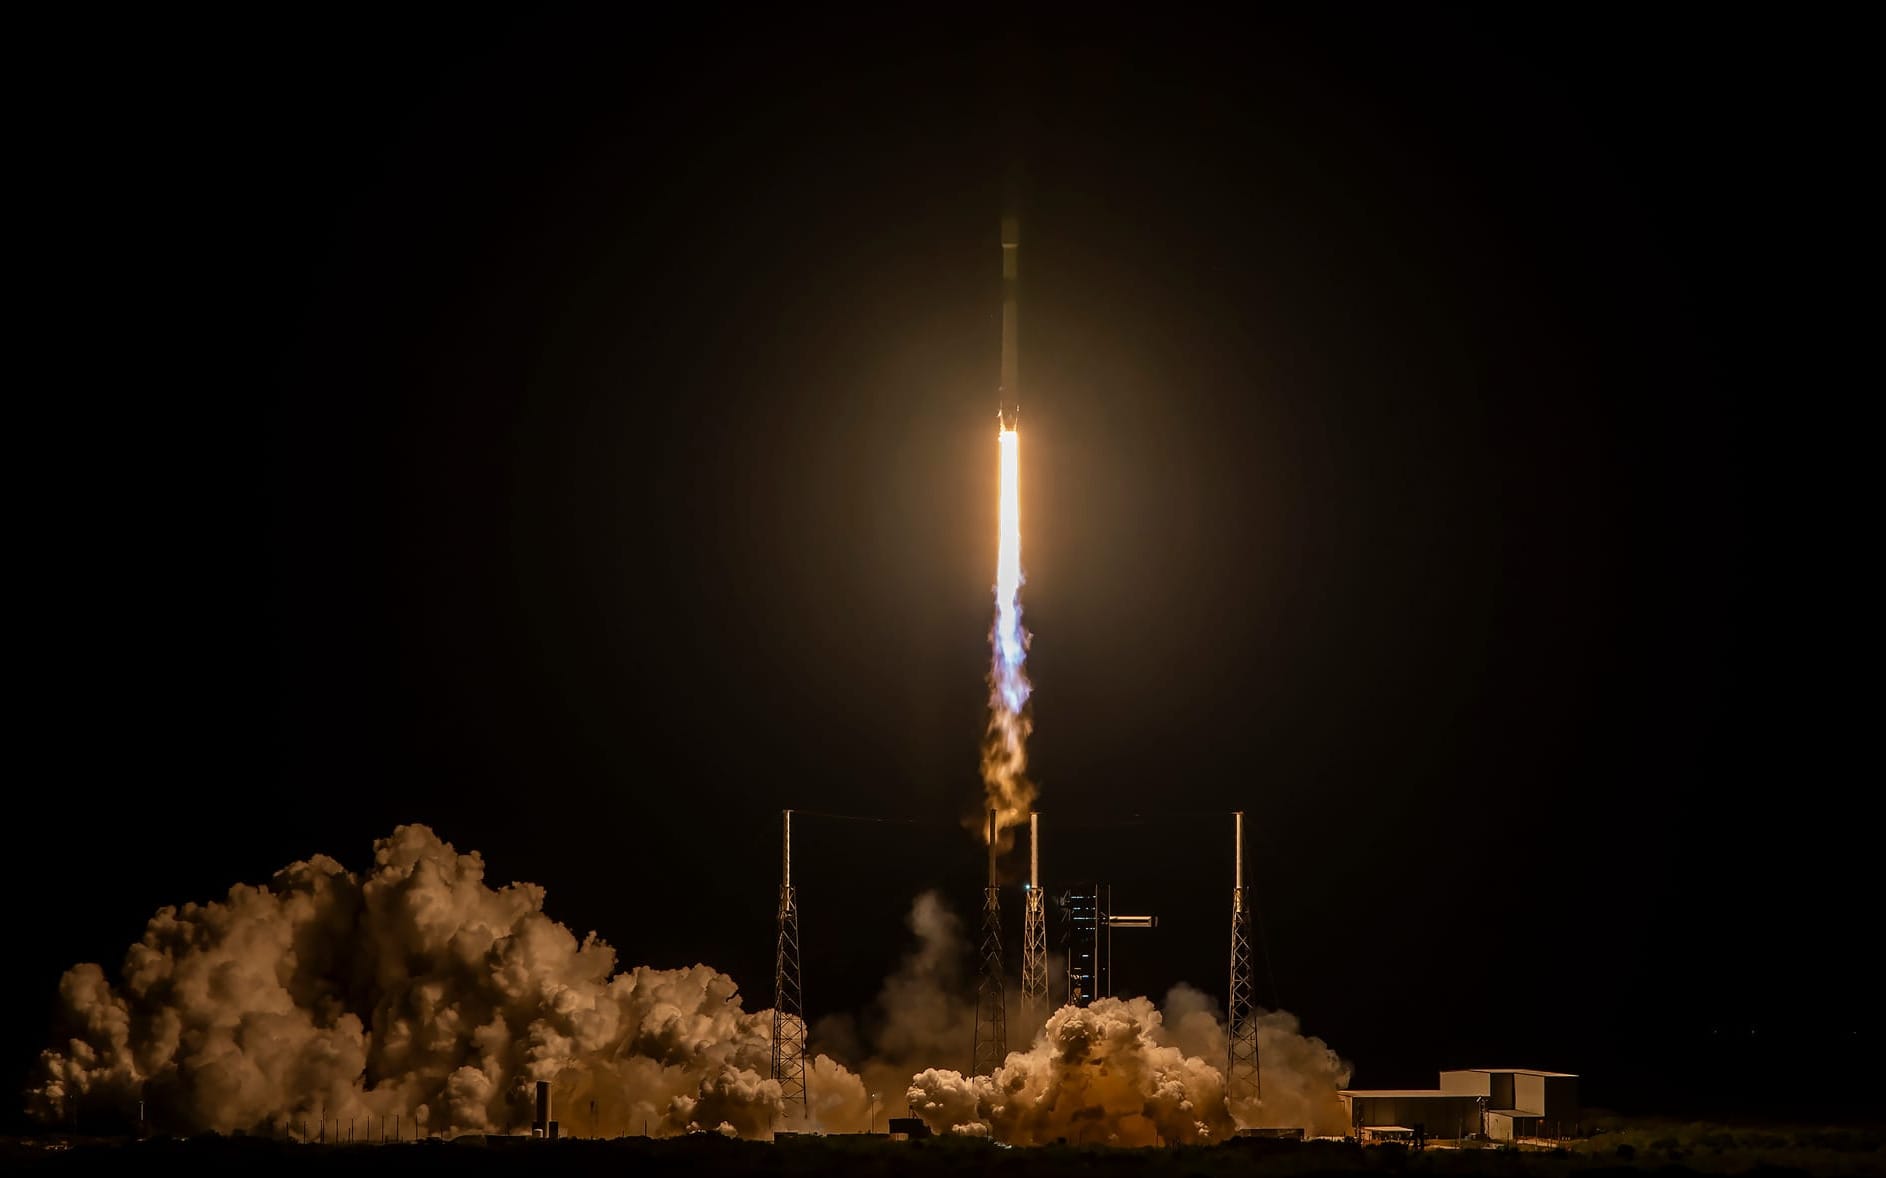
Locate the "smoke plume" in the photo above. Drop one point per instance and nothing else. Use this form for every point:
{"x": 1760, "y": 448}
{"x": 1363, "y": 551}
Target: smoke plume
{"x": 1299, "y": 1074}
{"x": 416, "y": 990}
{"x": 1119, "y": 1072}
{"x": 1097, "y": 1073}
{"x": 923, "y": 1015}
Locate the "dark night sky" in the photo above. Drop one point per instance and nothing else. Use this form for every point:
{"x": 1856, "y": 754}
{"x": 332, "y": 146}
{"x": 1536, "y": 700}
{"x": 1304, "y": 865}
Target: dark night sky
{"x": 579, "y": 439}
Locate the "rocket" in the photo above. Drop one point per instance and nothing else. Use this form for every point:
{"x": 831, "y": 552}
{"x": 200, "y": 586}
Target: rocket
{"x": 1008, "y": 408}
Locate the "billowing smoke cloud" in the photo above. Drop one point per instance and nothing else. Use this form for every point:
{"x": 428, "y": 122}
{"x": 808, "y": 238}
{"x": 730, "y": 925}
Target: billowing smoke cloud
{"x": 1299, "y": 1074}
{"x": 415, "y": 990}
{"x": 1095, "y": 1074}
{"x": 1118, "y": 1072}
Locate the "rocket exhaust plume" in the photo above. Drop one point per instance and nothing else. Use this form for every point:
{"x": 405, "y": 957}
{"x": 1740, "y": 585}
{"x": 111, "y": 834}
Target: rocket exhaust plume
{"x": 1006, "y": 787}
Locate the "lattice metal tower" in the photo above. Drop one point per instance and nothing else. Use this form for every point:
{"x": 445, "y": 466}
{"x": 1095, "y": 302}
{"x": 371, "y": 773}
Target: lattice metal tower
{"x": 1241, "y": 1078}
{"x": 788, "y": 998}
{"x": 1034, "y": 935}
{"x": 991, "y": 1044}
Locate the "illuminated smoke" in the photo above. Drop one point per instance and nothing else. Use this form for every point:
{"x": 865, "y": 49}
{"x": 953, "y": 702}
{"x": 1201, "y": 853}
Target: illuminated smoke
{"x": 923, "y": 1016}
{"x": 1005, "y": 749}
{"x": 1117, "y": 1072}
{"x": 415, "y": 990}
{"x": 1300, "y": 1073}
{"x": 1095, "y": 1074}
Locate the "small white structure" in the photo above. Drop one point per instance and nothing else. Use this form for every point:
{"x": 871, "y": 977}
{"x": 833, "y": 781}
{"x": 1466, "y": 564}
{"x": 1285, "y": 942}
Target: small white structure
{"x": 1504, "y": 1104}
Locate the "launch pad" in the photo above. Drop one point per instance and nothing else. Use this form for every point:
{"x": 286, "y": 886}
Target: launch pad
{"x": 1088, "y": 922}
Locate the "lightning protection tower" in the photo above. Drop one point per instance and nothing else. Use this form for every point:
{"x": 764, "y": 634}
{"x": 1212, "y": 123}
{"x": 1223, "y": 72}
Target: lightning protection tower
{"x": 1241, "y": 1080}
{"x": 991, "y": 1039}
{"x": 1034, "y": 934}
{"x": 788, "y": 999}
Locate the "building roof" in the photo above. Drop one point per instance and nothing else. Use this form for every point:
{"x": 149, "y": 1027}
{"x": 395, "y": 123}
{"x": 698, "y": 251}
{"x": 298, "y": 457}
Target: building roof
{"x": 1429, "y": 1093}
{"x": 1515, "y": 1072}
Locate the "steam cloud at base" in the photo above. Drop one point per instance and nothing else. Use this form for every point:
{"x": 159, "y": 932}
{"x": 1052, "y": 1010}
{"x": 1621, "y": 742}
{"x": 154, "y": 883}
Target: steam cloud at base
{"x": 416, "y": 990}
{"x": 1117, "y": 1072}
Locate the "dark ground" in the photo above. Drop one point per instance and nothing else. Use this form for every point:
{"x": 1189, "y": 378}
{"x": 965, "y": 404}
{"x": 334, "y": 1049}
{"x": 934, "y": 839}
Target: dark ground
{"x": 1667, "y": 1151}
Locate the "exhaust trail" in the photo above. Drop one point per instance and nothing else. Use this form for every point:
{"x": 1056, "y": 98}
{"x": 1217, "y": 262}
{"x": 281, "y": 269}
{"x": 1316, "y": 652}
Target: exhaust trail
{"x": 1006, "y": 787}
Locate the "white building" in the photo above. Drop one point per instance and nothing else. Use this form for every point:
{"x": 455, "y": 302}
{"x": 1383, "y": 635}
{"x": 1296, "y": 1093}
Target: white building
{"x": 1503, "y": 1104}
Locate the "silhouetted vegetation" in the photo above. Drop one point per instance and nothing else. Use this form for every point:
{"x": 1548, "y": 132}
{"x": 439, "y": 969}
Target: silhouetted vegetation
{"x": 1619, "y": 1152}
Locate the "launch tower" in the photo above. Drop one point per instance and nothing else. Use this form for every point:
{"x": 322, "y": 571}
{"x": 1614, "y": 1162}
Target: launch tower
{"x": 1241, "y": 1077}
{"x": 788, "y": 998}
{"x": 991, "y": 1042}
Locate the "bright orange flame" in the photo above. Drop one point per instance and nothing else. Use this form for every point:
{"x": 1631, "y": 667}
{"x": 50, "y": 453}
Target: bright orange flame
{"x": 1010, "y": 643}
